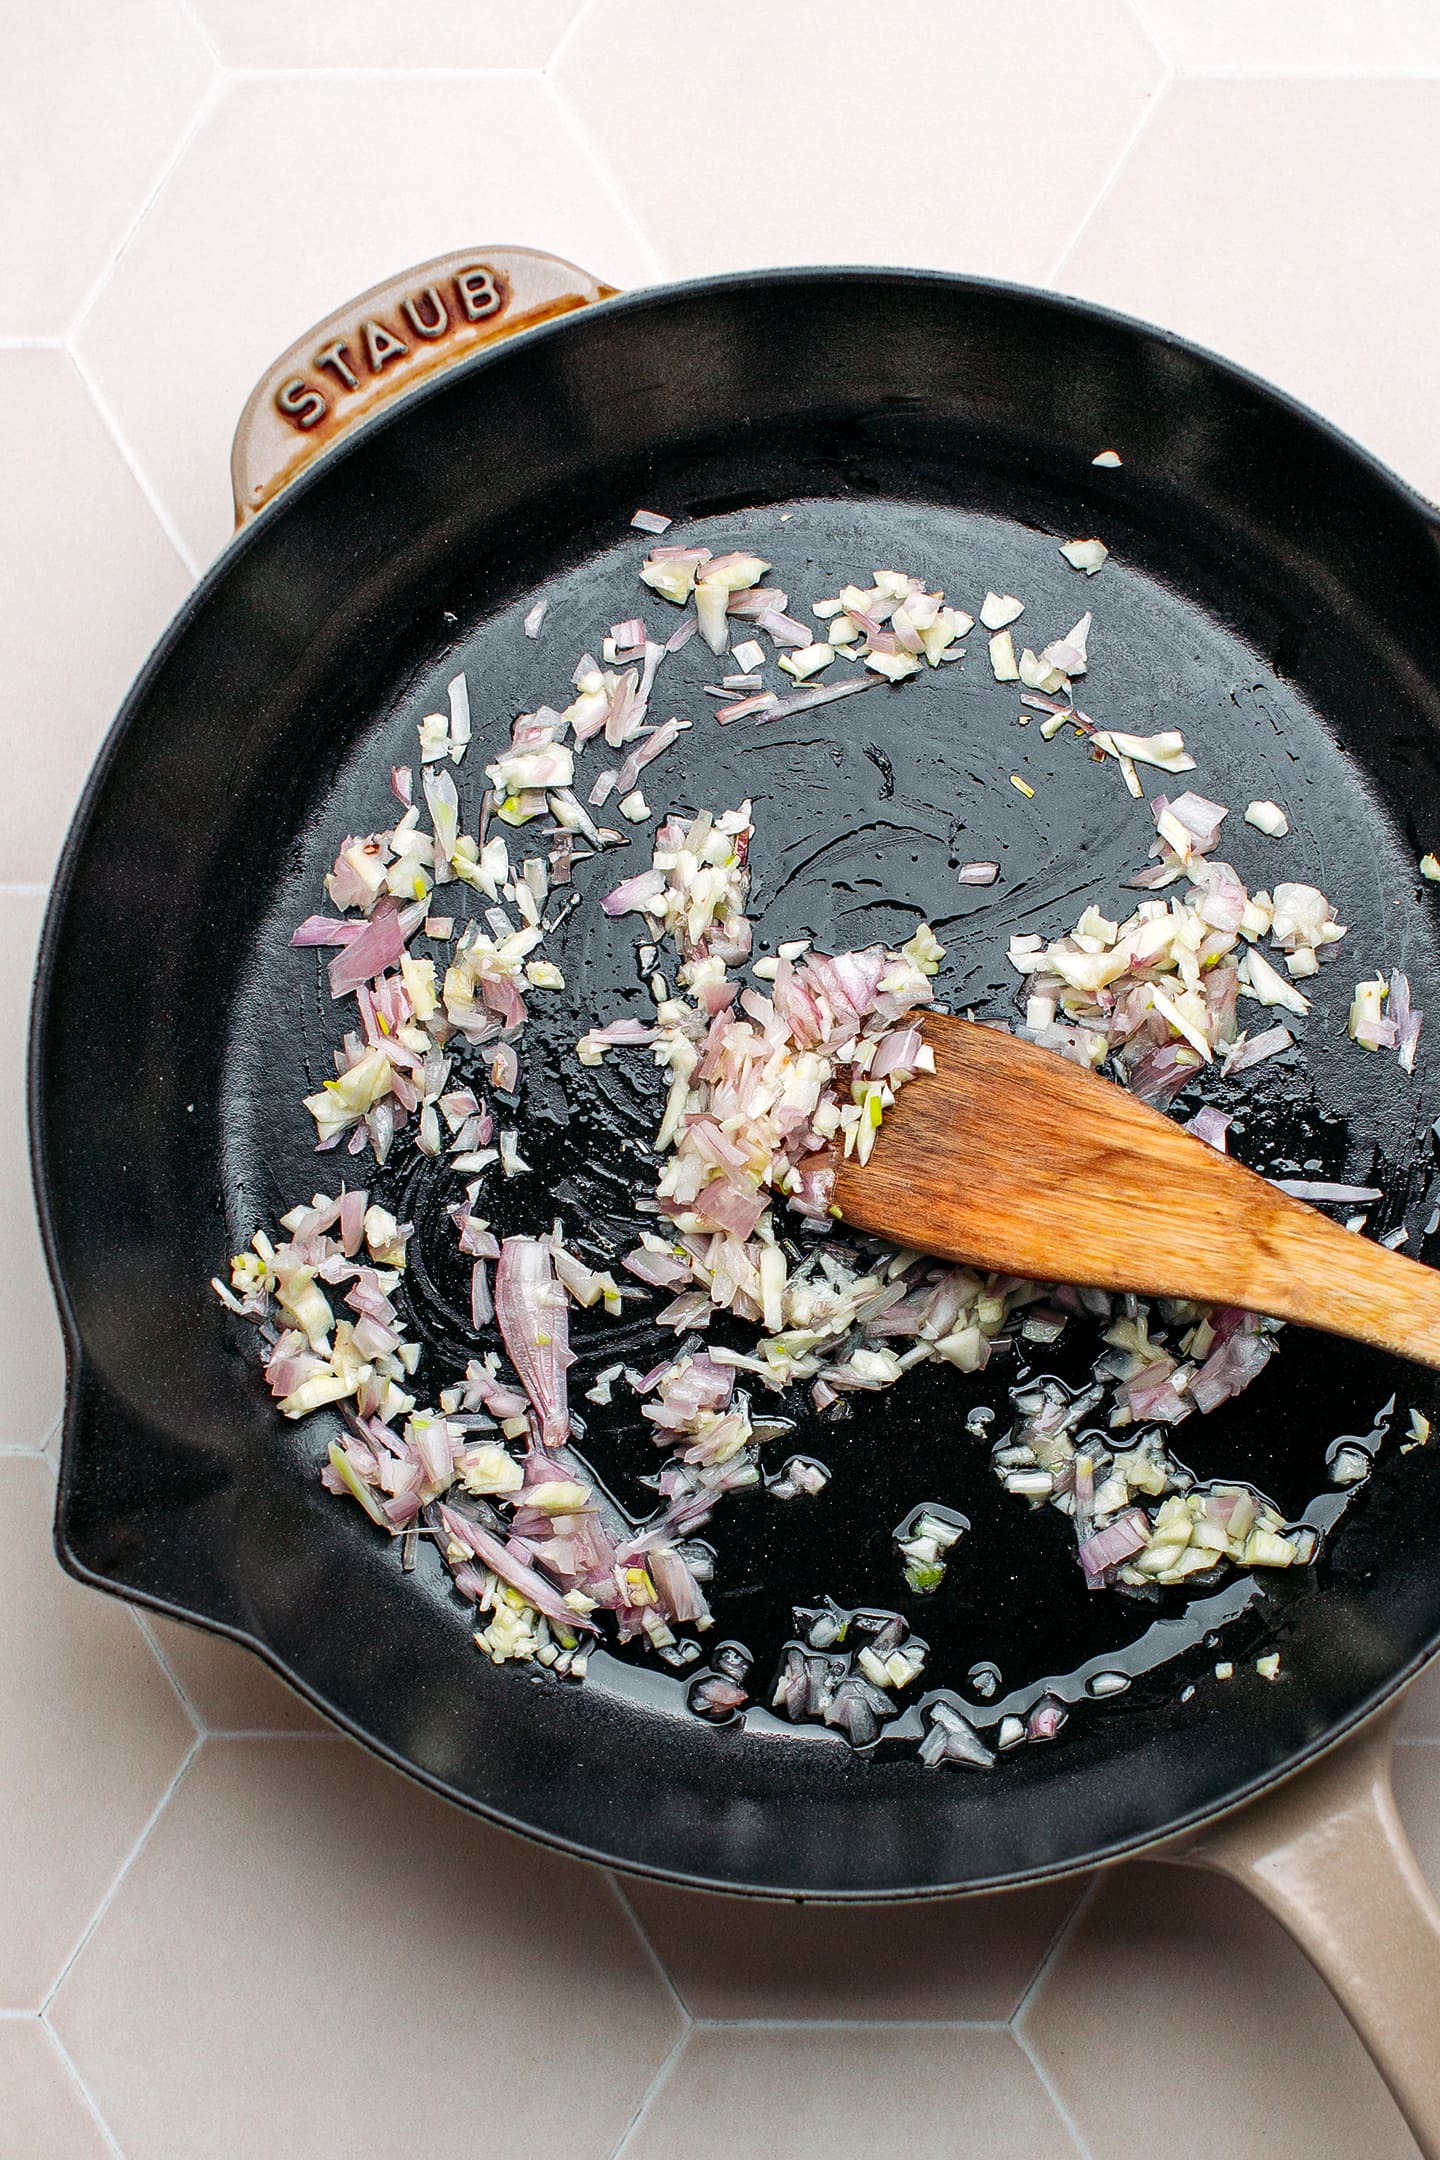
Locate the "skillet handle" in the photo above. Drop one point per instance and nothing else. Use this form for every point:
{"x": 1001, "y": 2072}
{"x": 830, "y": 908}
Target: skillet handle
{"x": 1326, "y": 1852}
{"x": 375, "y": 348}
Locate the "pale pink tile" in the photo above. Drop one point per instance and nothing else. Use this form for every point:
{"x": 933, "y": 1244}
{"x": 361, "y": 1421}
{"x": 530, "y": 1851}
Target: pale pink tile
{"x": 378, "y": 34}
{"x": 314, "y": 1957}
{"x": 95, "y": 100}
{"x": 91, "y": 1736}
{"x": 741, "y": 1958}
{"x": 1288, "y": 224}
{"x": 89, "y": 581}
{"x": 851, "y": 2095}
{"x": 35, "y": 1376}
{"x": 1420, "y": 1718}
{"x": 1177, "y": 2010}
{"x": 231, "y": 1688}
{"x": 1339, "y": 35}
{"x": 822, "y": 131}
{"x": 42, "y": 2115}
{"x": 345, "y": 182}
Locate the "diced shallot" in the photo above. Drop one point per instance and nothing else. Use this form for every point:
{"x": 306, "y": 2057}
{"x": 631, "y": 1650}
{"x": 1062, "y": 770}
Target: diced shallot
{"x": 534, "y": 1322}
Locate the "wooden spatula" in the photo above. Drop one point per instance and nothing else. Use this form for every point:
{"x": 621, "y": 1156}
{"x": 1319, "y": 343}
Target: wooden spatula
{"x": 1014, "y": 1159}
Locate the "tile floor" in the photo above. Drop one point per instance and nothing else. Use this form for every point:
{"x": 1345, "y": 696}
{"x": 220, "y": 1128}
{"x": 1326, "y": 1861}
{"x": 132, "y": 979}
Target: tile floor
{"x": 190, "y": 1962}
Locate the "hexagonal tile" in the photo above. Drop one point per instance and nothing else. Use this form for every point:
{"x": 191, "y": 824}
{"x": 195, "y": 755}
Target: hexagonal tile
{"x": 738, "y": 1958}
{"x": 1306, "y": 35}
{"x": 98, "y": 100}
{"x": 820, "y": 132}
{"x": 347, "y": 180}
{"x": 788, "y": 2095}
{"x": 1283, "y": 223}
{"x": 89, "y": 582}
{"x": 43, "y": 2111}
{"x": 230, "y": 1688}
{"x": 377, "y": 34}
{"x": 1178, "y": 2008}
{"x": 91, "y": 1736}
{"x": 331, "y": 1955}
{"x": 34, "y": 1383}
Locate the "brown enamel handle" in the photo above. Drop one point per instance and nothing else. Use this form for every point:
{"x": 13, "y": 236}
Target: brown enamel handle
{"x": 1327, "y": 1853}
{"x": 374, "y": 349}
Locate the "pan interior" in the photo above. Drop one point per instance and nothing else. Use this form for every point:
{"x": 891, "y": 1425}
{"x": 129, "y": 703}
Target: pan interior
{"x": 864, "y": 811}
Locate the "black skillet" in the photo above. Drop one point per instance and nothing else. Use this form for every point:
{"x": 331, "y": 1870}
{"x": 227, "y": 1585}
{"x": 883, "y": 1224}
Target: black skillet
{"x": 1271, "y": 589}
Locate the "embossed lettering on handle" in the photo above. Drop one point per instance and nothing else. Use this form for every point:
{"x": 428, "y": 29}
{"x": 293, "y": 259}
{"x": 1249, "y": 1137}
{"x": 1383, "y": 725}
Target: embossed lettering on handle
{"x": 379, "y": 346}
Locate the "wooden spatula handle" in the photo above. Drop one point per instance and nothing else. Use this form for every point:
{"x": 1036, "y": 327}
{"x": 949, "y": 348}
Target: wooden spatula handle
{"x": 1309, "y": 1269}
{"x": 1014, "y": 1159}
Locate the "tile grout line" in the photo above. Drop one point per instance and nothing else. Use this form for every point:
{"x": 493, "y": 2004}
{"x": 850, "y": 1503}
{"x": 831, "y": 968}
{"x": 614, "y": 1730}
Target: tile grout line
{"x": 1072, "y": 2128}
{"x": 92, "y": 2105}
{"x": 381, "y": 72}
{"x": 1316, "y": 71}
{"x": 855, "y": 2024}
{"x": 124, "y": 1869}
{"x": 1147, "y": 113}
{"x": 651, "y": 2093}
{"x": 567, "y": 35}
{"x": 1056, "y": 1944}
{"x": 137, "y": 473}
{"x": 24, "y": 892}
{"x": 32, "y": 344}
{"x": 191, "y": 15}
{"x": 209, "y": 100}
{"x": 1135, "y": 9}
{"x": 643, "y": 1937}
{"x": 142, "y": 1621}
{"x": 603, "y": 171}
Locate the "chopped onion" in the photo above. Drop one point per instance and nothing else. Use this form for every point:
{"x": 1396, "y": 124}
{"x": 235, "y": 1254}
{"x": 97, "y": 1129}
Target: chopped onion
{"x": 1166, "y": 750}
{"x": 1105, "y": 1550}
{"x": 1086, "y": 555}
{"x": 999, "y": 609}
{"x": 763, "y": 701}
{"x": 1069, "y": 654}
{"x": 534, "y": 1323}
{"x": 1268, "y": 817}
{"x": 821, "y": 694}
{"x": 325, "y": 930}
{"x": 651, "y": 521}
{"x": 979, "y": 873}
{"x": 1260, "y": 979}
{"x": 1212, "y": 1126}
{"x": 1003, "y": 664}
{"x": 1253, "y": 1050}
{"x": 807, "y": 660}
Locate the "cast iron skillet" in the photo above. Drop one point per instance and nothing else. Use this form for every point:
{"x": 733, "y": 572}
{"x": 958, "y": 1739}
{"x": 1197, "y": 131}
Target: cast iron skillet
{"x": 1271, "y": 589}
